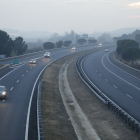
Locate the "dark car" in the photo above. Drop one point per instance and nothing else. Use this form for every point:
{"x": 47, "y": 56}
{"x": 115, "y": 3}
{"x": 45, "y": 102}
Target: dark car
{"x": 3, "y": 92}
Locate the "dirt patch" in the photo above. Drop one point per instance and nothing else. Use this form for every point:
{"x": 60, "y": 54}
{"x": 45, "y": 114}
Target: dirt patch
{"x": 56, "y": 122}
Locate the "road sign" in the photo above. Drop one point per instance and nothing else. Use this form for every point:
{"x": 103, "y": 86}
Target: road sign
{"x": 16, "y": 61}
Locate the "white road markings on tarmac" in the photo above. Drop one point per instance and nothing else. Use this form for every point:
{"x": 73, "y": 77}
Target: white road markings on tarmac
{"x": 11, "y": 88}
{"x": 31, "y": 67}
{"x": 17, "y": 81}
{"x": 27, "y": 71}
{"x": 100, "y": 74}
{"x": 129, "y": 96}
{"x": 22, "y": 75}
{"x": 96, "y": 70}
{"x": 114, "y": 86}
{"x": 106, "y": 80}
{"x": 93, "y": 67}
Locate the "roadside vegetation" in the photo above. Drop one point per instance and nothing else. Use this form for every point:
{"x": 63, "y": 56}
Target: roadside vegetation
{"x": 128, "y": 52}
{"x": 9, "y": 47}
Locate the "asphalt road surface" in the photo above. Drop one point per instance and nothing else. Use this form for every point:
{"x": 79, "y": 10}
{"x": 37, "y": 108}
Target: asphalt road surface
{"x": 119, "y": 83}
{"x": 20, "y": 81}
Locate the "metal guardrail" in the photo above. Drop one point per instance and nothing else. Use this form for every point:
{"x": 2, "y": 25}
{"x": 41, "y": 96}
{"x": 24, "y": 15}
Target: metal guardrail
{"x": 39, "y": 118}
{"x": 126, "y": 118}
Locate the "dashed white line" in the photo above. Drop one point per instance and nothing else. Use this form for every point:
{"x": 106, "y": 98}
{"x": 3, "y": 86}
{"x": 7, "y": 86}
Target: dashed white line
{"x": 17, "y": 81}
{"x": 100, "y": 74}
{"x": 31, "y": 67}
{"x": 96, "y": 70}
{"x": 11, "y": 88}
{"x": 129, "y": 96}
{"x": 106, "y": 79}
{"x": 27, "y": 71}
{"x": 22, "y": 75}
{"x": 93, "y": 67}
{"x": 114, "y": 86}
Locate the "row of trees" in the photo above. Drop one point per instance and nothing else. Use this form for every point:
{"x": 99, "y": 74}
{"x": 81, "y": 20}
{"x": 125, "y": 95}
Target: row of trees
{"x": 129, "y": 49}
{"x": 9, "y": 46}
{"x": 82, "y": 41}
{"x": 59, "y": 44}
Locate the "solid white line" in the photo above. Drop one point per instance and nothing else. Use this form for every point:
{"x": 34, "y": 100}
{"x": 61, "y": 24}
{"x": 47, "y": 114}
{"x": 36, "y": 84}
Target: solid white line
{"x": 129, "y": 96}
{"x": 106, "y": 79}
{"x": 121, "y": 69}
{"x": 17, "y": 81}
{"x": 118, "y": 76}
{"x": 29, "y": 107}
{"x": 11, "y": 88}
{"x": 114, "y": 86}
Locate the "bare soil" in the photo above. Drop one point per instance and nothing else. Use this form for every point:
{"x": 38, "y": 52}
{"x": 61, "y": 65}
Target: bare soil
{"x": 56, "y": 122}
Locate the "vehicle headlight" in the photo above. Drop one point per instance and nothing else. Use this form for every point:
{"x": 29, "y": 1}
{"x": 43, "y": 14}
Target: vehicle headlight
{"x": 4, "y": 93}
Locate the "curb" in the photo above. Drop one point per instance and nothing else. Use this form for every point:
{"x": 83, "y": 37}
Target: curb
{"x": 4, "y": 66}
{"x": 39, "y": 117}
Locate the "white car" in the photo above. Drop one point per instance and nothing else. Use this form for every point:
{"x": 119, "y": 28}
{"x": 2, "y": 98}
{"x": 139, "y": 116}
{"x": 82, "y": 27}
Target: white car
{"x": 47, "y": 54}
{"x": 73, "y": 48}
{"x": 106, "y": 50}
{"x": 32, "y": 61}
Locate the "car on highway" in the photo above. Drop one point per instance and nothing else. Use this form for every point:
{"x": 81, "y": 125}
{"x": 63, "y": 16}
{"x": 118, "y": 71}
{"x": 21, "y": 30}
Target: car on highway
{"x": 100, "y": 45}
{"x": 106, "y": 50}
{"x": 47, "y": 54}
{"x": 73, "y": 48}
{"x": 3, "y": 92}
{"x": 33, "y": 61}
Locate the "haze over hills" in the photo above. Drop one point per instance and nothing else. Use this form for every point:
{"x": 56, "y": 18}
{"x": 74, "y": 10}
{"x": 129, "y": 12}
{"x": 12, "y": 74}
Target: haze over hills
{"x": 33, "y": 36}
{"x": 122, "y": 31}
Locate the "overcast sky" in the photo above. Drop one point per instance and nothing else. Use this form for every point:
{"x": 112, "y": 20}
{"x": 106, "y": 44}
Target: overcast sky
{"x": 65, "y": 15}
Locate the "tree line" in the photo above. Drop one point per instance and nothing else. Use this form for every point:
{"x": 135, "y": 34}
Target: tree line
{"x": 11, "y": 47}
{"x": 59, "y": 44}
{"x": 128, "y": 49}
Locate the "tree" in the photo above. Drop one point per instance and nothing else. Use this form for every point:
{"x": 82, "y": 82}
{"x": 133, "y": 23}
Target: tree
{"x": 81, "y": 41}
{"x": 48, "y": 45}
{"x": 67, "y": 43}
{"x": 92, "y": 41}
{"x": 6, "y": 43}
{"x": 137, "y": 38}
{"x": 125, "y": 44}
{"x": 19, "y": 46}
{"x": 59, "y": 44}
{"x": 131, "y": 54}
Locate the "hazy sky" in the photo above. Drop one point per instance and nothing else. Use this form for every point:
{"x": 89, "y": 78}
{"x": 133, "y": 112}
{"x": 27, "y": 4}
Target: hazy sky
{"x": 65, "y": 15}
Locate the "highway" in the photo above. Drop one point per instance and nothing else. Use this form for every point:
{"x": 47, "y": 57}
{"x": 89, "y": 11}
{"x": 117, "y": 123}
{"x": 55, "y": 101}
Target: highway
{"x": 120, "y": 83}
{"x": 17, "y": 120}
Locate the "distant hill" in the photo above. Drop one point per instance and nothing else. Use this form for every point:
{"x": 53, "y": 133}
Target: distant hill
{"x": 120, "y": 32}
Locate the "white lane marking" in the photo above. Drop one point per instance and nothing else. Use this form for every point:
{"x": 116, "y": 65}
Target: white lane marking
{"x": 100, "y": 74}
{"x": 96, "y": 70}
{"x": 118, "y": 76}
{"x": 121, "y": 69}
{"x": 22, "y": 75}
{"x": 17, "y": 81}
{"x": 27, "y": 71}
{"x": 93, "y": 67}
{"x": 129, "y": 96}
{"x": 11, "y": 88}
{"x": 106, "y": 80}
{"x": 39, "y": 62}
{"x": 114, "y": 86}
{"x": 31, "y": 68}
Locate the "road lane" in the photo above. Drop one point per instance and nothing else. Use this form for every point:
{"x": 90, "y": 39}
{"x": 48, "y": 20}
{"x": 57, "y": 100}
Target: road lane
{"x": 121, "y": 87}
{"x": 13, "y": 114}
